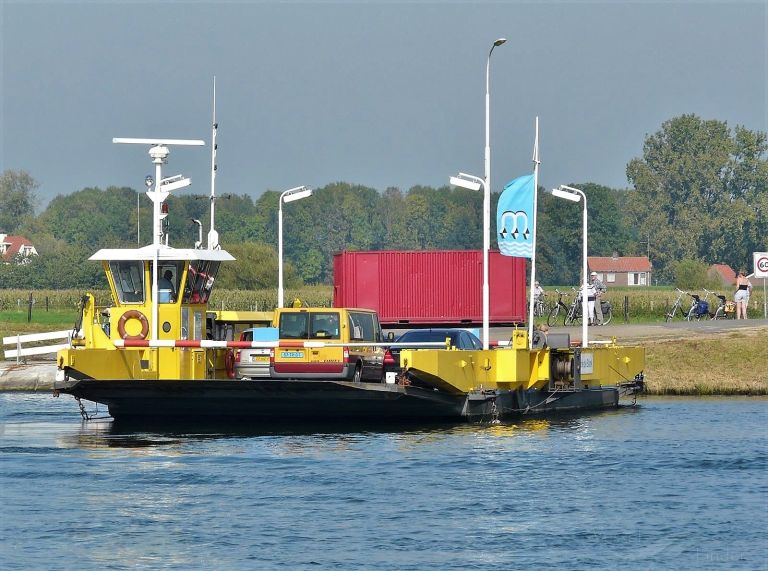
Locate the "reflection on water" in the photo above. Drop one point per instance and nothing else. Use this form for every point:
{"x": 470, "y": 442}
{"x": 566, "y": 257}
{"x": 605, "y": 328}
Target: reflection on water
{"x": 170, "y": 434}
{"x": 671, "y": 484}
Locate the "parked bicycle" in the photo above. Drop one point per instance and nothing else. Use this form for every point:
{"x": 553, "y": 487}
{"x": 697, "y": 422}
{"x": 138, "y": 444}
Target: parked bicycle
{"x": 725, "y": 309}
{"x": 557, "y": 309}
{"x": 605, "y": 305}
{"x": 573, "y": 316}
{"x": 699, "y": 308}
{"x": 677, "y": 306}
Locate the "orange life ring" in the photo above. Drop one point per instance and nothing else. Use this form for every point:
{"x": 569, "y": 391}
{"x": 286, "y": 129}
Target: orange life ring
{"x": 229, "y": 363}
{"x": 133, "y": 314}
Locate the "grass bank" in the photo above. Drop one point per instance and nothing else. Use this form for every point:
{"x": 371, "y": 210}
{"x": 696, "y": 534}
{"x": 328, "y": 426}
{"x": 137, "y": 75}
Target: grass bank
{"x": 726, "y": 364}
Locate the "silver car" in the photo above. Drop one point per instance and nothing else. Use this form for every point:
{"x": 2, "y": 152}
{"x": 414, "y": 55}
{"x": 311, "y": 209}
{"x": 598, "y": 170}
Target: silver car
{"x": 254, "y": 361}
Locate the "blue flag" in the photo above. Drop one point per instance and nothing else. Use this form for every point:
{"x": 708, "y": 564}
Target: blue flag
{"x": 514, "y": 218}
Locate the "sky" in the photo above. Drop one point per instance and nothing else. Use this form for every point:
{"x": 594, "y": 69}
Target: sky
{"x": 381, "y": 94}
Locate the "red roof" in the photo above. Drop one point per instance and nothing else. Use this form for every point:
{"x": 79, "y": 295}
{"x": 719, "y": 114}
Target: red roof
{"x": 726, "y": 273}
{"x": 14, "y": 245}
{"x": 619, "y": 265}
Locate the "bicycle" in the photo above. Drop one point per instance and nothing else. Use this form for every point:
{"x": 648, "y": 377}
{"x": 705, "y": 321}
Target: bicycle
{"x": 605, "y": 305}
{"x": 574, "y": 311}
{"x": 678, "y": 305}
{"x": 538, "y": 306}
{"x": 725, "y": 309}
{"x": 557, "y": 308}
{"x": 699, "y": 308}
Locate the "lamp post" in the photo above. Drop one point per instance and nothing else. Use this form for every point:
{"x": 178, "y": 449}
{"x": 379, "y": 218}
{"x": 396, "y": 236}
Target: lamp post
{"x": 289, "y": 195}
{"x": 575, "y": 195}
{"x": 487, "y": 196}
{"x": 199, "y": 243}
{"x": 471, "y": 182}
{"x": 474, "y": 183}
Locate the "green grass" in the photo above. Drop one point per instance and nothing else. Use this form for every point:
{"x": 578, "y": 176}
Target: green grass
{"x": 15, "y": 322}
{"x": 732, "y": 364}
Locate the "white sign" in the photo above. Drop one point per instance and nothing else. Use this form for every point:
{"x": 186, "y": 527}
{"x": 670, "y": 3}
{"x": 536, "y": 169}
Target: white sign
{"x": 761, "y": 264}
{"x": 587, "y": 363}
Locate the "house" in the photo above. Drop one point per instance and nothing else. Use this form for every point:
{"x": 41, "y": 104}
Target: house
{"x": 621, "y": 270}
{"x": 723, "y": 273}
{"x": 16, "y": 249}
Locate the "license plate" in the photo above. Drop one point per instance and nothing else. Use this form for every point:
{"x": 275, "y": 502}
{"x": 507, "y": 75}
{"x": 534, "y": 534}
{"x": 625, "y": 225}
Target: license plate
{"x": 259, "y": 359}
{"x": 292, "y": 354}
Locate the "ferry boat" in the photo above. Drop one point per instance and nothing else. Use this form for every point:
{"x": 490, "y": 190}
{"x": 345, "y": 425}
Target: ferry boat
{"x": 159, "y": 352}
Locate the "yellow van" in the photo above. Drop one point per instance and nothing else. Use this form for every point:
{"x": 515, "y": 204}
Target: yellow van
{"x": 336, "y": 326}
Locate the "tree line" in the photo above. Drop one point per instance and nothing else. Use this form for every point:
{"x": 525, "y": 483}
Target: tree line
{"x": 699, "y": 193}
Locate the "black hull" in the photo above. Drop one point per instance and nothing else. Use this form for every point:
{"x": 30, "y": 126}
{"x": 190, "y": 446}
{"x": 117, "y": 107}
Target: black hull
{"x": 321, "y": 400}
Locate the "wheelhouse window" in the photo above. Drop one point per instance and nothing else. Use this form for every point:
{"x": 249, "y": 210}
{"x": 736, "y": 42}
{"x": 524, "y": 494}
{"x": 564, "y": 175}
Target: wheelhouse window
{"x": 202, "y": 274}
{"x": 168, "y": 281}
{"x": 128, "y": 278}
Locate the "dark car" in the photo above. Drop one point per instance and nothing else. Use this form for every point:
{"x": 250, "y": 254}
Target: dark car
{"x": 459, "y": 339}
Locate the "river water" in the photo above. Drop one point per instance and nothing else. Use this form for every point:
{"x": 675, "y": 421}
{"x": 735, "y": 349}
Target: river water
{"x": 670, "y": 484}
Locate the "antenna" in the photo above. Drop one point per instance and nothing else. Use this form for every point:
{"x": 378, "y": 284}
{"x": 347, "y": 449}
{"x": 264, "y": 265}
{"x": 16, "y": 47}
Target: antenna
{"x": 159, "y": 142}
{"x": 213, "y": 236}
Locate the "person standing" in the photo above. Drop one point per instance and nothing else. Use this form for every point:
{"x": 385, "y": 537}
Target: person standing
{"x": 537, "y": 294}
{"x": 600, "y": 289}
{"x": 741, "y": 297}
{"x": 590, "y": 293}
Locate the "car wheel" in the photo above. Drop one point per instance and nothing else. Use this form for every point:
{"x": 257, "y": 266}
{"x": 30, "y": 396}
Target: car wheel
{"x": 358, "y": 375}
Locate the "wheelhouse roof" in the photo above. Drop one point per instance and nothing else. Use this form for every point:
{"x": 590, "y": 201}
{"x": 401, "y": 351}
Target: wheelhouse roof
{"x": 164, "y": 253}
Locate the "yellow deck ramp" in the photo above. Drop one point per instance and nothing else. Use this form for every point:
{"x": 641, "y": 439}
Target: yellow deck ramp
{"x": 461, "y": 372}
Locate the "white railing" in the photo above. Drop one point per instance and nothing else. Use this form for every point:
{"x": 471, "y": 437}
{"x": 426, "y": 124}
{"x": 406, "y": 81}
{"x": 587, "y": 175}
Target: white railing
{"x": 20, "y": 351}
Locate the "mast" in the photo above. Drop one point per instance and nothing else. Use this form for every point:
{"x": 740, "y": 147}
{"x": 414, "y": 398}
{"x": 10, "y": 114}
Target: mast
{"x": 213, "y": 236}
{"x": 536, "y": 164}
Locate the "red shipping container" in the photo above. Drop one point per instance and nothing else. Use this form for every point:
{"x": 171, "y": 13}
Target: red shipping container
{"x": 433, "y": 287}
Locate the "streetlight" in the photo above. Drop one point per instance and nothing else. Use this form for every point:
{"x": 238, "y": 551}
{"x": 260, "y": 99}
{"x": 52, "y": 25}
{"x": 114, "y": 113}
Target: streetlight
{"x": 289, "y": 195}
{"x": 471, "y": 182}
{"x": 474, "y": 183}
{"x": 575, "y": 195}
{"x": 199, "y": 242}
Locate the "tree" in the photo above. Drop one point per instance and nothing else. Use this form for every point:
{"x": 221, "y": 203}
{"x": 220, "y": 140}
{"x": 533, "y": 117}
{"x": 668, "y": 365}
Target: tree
{"x": 95, "y": 218}
{"x": 255, "y": 268}
{"x": 17, "y": 199}
{"x": 692, "y": 275}
{"x": 694, "y": 178}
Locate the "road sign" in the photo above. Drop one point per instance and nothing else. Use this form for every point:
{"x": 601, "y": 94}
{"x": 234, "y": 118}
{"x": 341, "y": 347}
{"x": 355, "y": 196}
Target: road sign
{"x": 761, "y": 264}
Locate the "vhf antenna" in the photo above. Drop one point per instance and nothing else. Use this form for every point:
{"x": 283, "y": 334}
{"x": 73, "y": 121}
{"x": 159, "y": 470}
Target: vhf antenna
{"x": 213, "y": 236}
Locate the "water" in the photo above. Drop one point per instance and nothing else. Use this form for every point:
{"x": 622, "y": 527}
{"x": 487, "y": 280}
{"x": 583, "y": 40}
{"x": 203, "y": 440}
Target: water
{"x": 673, "y": 484}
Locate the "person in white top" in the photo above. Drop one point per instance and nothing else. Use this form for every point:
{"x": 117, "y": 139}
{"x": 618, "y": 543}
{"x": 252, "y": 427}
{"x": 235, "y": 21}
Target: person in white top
{"x": 590, "y": 293}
